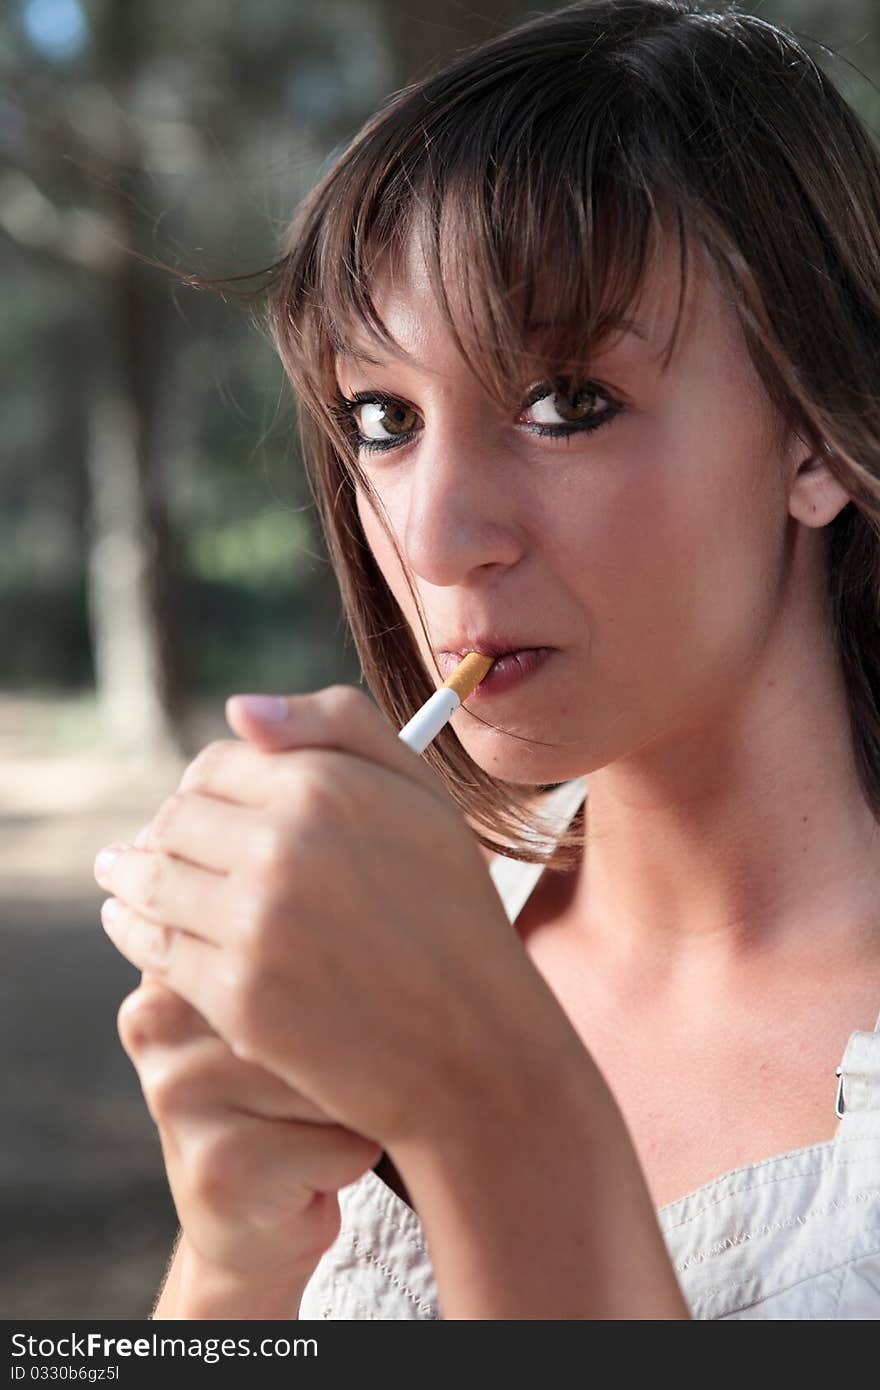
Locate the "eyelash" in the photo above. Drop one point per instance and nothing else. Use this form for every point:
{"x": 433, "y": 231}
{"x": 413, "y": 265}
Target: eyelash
{"x": 345, "y": 410}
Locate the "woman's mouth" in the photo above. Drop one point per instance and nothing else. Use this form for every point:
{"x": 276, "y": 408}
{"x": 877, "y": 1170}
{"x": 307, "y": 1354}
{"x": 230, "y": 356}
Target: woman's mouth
{"x": 506, "y": 673}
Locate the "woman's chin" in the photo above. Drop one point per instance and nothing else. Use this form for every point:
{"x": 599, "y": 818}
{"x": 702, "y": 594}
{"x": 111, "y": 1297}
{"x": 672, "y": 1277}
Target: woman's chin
{"x": 520, "y": 763}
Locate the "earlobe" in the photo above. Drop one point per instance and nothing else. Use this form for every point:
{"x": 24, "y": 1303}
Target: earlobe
{"x": 816, "y": 497}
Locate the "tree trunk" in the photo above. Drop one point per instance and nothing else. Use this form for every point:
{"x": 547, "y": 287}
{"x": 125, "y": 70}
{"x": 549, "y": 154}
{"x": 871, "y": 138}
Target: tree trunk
{"x": 133, "y": 567}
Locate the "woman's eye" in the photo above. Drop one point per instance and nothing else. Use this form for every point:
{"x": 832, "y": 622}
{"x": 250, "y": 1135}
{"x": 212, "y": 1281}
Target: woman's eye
{"x": 392, "y": 417}
{"x": 569, "y": 406}
{"x": 376, "y": 422}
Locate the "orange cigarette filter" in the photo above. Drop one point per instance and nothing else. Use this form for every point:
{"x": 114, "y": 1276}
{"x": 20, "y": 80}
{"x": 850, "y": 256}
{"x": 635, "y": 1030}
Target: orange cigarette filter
{"x": 468, "y": 674}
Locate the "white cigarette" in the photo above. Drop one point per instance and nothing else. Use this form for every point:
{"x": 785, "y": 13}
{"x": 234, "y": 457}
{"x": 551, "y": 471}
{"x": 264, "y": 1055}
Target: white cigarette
{"x": 427, "y": 722}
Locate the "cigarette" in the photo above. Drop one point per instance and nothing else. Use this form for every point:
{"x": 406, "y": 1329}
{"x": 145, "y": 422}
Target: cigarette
{"x": 437, "y": 711}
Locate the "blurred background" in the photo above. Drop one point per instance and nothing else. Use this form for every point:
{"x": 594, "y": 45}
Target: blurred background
{"x": 158, "y": 545}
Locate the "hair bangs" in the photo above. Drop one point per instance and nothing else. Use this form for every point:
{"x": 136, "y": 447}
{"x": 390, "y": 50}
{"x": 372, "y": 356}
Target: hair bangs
{"x": 528, "y": 273}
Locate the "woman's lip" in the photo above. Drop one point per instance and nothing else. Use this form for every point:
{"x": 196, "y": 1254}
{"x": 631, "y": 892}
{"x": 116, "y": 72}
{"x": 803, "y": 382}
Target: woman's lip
{"x": 507, "y": 671}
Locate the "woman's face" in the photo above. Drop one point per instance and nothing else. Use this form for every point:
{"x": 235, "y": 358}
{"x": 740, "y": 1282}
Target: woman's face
{"x": 649, "y": 553}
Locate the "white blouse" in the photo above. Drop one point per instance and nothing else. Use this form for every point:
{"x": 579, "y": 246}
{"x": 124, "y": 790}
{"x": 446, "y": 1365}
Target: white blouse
{"x": 796, "y": 1235}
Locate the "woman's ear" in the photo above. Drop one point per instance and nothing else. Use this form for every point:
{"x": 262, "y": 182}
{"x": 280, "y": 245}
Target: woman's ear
{"x": 815, "y": 495}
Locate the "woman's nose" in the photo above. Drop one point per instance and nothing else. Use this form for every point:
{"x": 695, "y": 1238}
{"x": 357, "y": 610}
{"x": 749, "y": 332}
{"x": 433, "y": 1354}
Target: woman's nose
{"x": 460, "y": 510}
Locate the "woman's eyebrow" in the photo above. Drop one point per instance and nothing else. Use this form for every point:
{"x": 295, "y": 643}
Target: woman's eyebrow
{"x": 626, "y": 325}
{"x": 346, "y": 351}
{"x": 533, "y": 326}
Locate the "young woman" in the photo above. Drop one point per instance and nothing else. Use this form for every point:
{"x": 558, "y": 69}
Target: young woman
{"x": 584, "y": 329}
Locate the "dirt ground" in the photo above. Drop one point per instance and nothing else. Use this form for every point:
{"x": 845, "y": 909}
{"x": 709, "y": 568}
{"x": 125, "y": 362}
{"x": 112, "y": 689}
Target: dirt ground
{"x": 86, "y": 1213}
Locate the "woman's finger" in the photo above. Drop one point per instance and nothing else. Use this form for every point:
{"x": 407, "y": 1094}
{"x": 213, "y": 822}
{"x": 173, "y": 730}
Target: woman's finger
{"x": 153, "y": 1015}
{"x": 206, "y": 829}
{"x": 202, "y": 1075}
{"x": 189, "y": 965}
{"x": 172, "y": 893}
{"x": 339, "y": 718}
{"x": 176, "y": 1050}
{"x": 220, "y": 1161}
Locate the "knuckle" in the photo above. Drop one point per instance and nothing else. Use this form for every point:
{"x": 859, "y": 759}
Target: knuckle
{"x": 350, "y": 708}
{"x": 130, "y": 1024}
{"x": 345, "y": 702}
{"x": 138, "y": 1019}
{"x": 154, "y": 873}
{"x": 153, "y": 1014}
{"x": 165, "y": 818}
{"x": 317, "y": 800}
{"x": 255, "y": 935}
{"x": 247, "y": 941}
{"x": 198, "y": 774}
{"x": 159, "y": 947}
{"x": 165, "y": 1091}
{"x": 216, "y": 1166}
{"x": 244, "y": 980}
{"x": 270, "y": 845}
{"x": 254, "y": 912}
{"x": 192, "y": 1074}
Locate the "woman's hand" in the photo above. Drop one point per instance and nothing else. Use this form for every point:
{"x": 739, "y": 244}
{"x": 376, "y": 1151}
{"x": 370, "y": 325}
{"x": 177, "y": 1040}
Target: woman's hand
{"x": 253, "y": 1167}
{"x": 321, "y": 901}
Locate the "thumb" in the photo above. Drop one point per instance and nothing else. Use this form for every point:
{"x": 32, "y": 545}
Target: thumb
{"x": 337, "y": 717}
{"x": 258, "y": 718}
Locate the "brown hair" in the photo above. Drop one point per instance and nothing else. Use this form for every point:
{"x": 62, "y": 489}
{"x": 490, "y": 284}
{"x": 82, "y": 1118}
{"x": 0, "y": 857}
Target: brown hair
{"x": 576, "y": 136}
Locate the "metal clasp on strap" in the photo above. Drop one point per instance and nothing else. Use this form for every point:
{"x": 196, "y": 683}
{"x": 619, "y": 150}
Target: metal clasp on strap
{"x": 838, "y": 1104}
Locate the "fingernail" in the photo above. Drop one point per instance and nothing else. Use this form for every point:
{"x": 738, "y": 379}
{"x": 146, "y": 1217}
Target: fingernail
{"x": 271, "y": 708}
{"x": 105, "y": 860}
{"x": 110, "y": 910}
